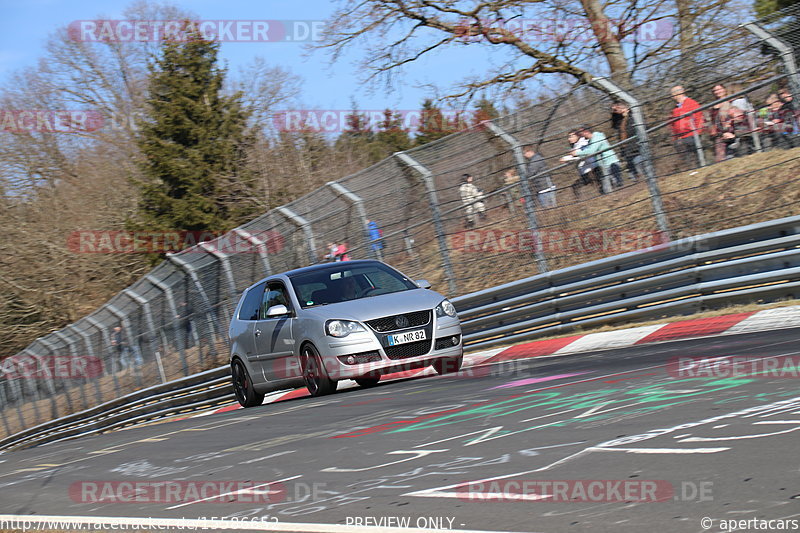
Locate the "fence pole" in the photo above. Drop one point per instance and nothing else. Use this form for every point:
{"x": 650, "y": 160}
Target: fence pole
{"x": 644, "y": 149}
{"x": 33, "y": 355}
{"x": 148, "y": 317}
{"x": 261, "y": 246}
{"x": 112, "y": 368}
{"x": 173, "y": 309}
{"x": 73, "y": 352}
{"x": 358, "y": 203}
{"x": 90, "y": 352}
{"x": 224, "y": 261}
{"x": 530, "y": 211}
{"x": 787, "y": 56}
{"x": 192, "y": 272}
{"x": 305, "y": 225}
{"x": 126, "y": 326}
{"x": 433, "y": 201}
{"x": 50, "y": 383}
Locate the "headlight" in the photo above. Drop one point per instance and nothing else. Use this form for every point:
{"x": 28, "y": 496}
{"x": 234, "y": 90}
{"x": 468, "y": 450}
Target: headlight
{"x": 446, "y": 308}
{"x": 342, "y": 328}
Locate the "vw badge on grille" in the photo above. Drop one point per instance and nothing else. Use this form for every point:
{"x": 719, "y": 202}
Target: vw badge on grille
{"x": 401, "y": 321}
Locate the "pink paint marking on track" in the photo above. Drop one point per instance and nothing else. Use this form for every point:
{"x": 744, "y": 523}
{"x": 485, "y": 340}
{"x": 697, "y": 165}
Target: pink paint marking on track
{"x": 531, "y": 381}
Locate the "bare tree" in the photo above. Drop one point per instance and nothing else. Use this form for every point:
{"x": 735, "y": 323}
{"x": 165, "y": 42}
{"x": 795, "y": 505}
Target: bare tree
{"x": 573, "y": 38}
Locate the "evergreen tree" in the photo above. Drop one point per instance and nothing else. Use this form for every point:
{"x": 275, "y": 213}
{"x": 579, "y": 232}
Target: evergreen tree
{"x": 194, "y": 143}
{"x": 391, "y": 135}
{"x": 433, "y": 125}
{"x": 484, "y": 110}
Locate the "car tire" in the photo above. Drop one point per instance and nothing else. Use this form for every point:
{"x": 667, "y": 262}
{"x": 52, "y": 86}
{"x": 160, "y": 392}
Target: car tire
{"x": 448, "y": 365}
{"x": 314, "y": 373}
{"x": 367, "y": 381}
{"x": 243, "y": 386}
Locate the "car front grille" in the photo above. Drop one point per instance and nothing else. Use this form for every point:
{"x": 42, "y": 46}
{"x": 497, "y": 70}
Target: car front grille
{"x": 412, "y": 349}
{"x": 389, "y": 323}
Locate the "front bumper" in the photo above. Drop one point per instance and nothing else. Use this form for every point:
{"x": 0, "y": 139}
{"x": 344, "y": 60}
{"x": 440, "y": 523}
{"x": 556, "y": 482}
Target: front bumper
{"x": 369, "y": 345}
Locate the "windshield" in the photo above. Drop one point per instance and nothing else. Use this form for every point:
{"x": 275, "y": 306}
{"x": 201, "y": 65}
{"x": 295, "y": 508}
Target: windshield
{"x": 343, "y": 282}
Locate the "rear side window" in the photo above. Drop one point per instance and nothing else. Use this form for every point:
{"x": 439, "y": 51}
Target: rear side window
{"x": 252, "y": 303}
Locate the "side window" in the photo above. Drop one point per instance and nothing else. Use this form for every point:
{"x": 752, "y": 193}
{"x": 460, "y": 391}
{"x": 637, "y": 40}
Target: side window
{"x": 274, "y": 295}
{"x": 252, "y": 303}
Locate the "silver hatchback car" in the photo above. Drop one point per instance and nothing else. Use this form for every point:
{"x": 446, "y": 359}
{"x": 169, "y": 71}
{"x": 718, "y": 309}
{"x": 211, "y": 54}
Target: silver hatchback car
{"x": 353, "y": 320}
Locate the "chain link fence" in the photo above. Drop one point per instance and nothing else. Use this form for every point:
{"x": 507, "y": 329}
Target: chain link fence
{"x": 521, "y": 218}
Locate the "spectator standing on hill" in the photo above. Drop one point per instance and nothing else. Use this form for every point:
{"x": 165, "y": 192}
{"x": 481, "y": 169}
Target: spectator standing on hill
{"x": 375, "y": 236}
{"x": 686, "y": 130}
{"x": 120, "y": 345}
{"x": 718, "y": 118}
{"x": 512, "y": 195}
{"x": 793, "y": 110}
{"x": 778, "y": 124}
{"x": 622, "y": 122}
{"x": 472, "y": 199}
{"x": 587, "y": 168}
{"x": 539, "y": 178}
{"x": 738, "y": 134}
{"x": 606, "y": 158}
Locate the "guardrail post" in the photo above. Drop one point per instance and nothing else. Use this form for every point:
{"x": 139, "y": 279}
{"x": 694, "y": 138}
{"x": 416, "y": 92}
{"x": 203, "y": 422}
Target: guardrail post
{"x": 261, "y": 246}
{"x": 126, "y": 326}
{"x": 644, "y": 149}
{"x": 305, "y": 225}
{"x": 90, "y": 352}
{"x": 173, "y": 309}
{"x": 785, "y": 51}
{"x": 530, "y": 211}
{"x": 111, "y": 369}
{"x": 433, "y": 201}
{"x": 358, "y": 203}
{"x": 151, "y": 327}
{"x": 73, "y": 352}
{"x": 190, "y": 270}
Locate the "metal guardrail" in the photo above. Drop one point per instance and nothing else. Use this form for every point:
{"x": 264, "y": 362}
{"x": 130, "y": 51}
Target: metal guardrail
{"x": 759, "y": 261}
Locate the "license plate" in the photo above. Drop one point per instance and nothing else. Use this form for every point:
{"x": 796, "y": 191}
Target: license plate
{"x": 403, "y": 338}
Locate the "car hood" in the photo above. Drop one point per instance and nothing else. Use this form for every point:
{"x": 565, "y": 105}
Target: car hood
{"x": 379, "y": 306}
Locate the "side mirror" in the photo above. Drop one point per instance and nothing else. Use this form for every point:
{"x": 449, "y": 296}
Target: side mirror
{"x": 277, "y": 310}
{"x": 423, "y": 284}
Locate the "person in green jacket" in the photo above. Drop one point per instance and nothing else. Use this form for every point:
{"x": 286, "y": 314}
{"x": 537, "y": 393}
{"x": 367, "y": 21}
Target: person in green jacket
{"x": 604, "y": 155}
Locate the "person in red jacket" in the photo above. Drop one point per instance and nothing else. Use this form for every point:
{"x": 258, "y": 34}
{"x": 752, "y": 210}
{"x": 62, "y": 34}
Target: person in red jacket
{"x": 686, "y": 129}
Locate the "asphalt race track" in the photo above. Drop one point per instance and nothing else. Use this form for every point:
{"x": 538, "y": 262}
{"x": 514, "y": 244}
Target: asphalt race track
{"x": 509, "y": 447}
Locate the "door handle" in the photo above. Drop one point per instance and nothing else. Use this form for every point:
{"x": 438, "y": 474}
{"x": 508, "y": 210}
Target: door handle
{"x": 258, "y": 333}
